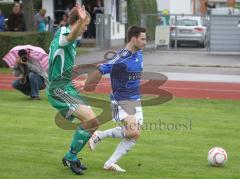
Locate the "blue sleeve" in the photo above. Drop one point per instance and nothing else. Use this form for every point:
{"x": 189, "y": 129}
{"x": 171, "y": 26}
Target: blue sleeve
{"x": 105, "y": 68}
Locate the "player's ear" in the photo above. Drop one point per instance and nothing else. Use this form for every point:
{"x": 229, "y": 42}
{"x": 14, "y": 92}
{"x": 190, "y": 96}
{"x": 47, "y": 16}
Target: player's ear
{"x": 133, "y": 39}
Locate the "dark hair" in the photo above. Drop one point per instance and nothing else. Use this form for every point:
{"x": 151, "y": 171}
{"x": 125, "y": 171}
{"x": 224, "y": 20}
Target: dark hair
{"x": 22, "y": 52}
{"x": 134, "y": 31}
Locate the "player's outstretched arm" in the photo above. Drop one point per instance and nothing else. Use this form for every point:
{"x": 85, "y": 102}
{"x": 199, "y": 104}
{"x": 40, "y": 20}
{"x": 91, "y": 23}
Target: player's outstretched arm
{"x": 92, "y": 80}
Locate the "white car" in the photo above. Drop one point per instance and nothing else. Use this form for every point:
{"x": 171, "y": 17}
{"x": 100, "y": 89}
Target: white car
{"x": 188, "y": 29}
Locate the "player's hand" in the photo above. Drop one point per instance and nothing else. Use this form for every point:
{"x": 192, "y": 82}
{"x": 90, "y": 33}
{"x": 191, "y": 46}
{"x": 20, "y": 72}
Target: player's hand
{"x": 81, "y": 11}
{"x": 78, "y": 83}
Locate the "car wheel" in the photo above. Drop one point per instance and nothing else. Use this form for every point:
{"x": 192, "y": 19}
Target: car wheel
{"x": 202, "y": 44}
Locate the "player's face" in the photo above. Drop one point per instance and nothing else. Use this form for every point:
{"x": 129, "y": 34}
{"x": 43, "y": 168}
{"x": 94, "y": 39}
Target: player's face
{"x": 85, "y": 26}
{"x": 140, "y": 42}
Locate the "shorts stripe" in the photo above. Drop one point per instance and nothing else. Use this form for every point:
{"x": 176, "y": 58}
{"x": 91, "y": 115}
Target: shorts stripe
{"x": 67, "y": 98}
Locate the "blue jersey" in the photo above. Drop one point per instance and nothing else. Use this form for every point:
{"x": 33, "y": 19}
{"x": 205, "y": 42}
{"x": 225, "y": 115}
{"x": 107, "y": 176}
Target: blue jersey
{"x": 125, "y": 71}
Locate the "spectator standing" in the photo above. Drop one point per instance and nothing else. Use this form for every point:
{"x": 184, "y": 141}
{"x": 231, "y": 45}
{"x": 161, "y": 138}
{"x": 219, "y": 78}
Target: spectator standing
{"x": 89, "y": 32}
{"x": 97, "y": 9}
{"x": 64, "y": 21}
{"x": 2, "y": 21}
{"x": 40, "y": 21}
{"x": 16, "y": 19}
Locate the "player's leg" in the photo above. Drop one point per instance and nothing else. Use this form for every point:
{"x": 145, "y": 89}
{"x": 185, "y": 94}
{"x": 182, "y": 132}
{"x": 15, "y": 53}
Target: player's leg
{"x": 116, "y": 132}
{"x": 120, "y": 111}
{"x": 82, "y": 134}
{"x": 130, "y": 114}
{"x": 132, "y": 133}
{"x": 71, "y": 104}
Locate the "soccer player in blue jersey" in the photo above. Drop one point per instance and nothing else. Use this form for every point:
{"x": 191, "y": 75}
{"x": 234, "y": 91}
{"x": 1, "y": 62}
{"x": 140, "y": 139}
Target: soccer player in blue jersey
{"x": 125, "y": 72}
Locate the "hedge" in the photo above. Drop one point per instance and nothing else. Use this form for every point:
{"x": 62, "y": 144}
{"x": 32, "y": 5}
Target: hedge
{"x": 11, "y": 39}
{"x": 138, "y": 7}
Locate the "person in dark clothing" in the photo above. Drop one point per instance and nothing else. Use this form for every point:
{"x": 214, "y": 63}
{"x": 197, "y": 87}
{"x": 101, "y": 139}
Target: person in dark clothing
{"x": 16, "y": 19}
{"x": 97, "y": 9}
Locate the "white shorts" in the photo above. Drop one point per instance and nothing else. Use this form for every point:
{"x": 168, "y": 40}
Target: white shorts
{"x": 122, "y": 109}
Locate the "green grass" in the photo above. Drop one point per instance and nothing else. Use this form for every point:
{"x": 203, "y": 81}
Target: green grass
{"x": 5, "y": 71}
{"x": 32, "y": 145}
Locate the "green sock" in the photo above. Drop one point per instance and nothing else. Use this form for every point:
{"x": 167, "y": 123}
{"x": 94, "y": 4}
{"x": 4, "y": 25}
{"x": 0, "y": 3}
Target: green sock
{"x": 80, "y": 138}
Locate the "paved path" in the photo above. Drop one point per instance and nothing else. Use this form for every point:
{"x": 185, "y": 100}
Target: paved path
{"x": 179, "y": 61}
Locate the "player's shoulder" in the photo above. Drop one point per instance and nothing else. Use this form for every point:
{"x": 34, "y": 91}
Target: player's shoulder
{"x": 65, "y": 29}
{"x": 120, "y": 56}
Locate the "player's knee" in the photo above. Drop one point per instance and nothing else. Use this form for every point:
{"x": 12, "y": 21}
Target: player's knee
{"x": 92, "y": 124}
{"x": 133, "y": 134}
{"x": 137, "y": 135}
{"x": 95, "y": 123}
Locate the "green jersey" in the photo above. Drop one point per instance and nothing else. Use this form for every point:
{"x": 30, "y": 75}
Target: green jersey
{"x": 60, "y": 91}
{"x": 61, "y": 56}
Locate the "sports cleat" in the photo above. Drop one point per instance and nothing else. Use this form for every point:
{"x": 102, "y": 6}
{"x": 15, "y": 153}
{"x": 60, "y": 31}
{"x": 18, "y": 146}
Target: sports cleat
{"x": 73, "y": 165}
{"x": 79, "y": 164}
{"x": 93, "y": 141}
{"x": 113, "y": 167}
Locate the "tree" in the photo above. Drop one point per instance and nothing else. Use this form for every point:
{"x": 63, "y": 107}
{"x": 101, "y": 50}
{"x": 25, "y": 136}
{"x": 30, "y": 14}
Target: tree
{"x": 136, "y": 9}
{"x": 28, "y": 14}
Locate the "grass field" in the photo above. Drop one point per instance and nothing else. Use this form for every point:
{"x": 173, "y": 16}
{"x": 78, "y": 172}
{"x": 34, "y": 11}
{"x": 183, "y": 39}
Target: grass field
{"x": 175, "y": 140}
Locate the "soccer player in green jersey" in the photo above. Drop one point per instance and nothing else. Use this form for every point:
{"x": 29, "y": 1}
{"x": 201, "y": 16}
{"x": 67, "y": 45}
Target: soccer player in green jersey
{"x": 61, "y": 92}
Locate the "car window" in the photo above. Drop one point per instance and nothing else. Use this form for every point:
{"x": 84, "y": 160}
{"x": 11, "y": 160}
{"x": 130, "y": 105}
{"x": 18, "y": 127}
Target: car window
{"x": 187, "y": 22}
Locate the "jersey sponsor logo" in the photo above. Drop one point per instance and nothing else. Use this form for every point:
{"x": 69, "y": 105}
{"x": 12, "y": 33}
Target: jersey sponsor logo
{"x": 134, "y": 76}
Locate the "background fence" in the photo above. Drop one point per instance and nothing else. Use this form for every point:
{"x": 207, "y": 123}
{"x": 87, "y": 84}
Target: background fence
{"x": 223, "y": 31}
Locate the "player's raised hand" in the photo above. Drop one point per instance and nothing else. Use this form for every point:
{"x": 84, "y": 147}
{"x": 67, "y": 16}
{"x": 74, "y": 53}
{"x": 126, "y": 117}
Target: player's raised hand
{"x": 81, "y": 11}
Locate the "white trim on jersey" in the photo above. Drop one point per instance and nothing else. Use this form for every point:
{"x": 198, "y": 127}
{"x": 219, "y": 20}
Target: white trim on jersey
{"x": 63, "y": 38}
{"x": 118, "y": 56}
{"x": 60, "y": 52}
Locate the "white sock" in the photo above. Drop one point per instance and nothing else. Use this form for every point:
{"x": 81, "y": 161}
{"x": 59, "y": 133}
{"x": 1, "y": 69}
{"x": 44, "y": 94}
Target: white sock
{"x": 117, "y": 132}
{"x": 123, "y": 147}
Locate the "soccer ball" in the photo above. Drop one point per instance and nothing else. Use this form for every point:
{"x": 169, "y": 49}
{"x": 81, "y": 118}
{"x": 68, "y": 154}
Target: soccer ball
{"x": 217, "y": 156}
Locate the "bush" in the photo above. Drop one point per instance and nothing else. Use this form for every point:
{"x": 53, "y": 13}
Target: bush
{"x": 11, "y": 39}
{"x": 135, "y": 10}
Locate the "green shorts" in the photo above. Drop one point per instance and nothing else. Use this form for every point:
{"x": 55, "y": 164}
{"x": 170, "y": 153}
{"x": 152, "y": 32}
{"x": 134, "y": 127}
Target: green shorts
{"x": 65, "y": 100}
